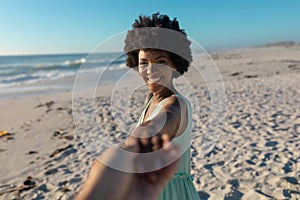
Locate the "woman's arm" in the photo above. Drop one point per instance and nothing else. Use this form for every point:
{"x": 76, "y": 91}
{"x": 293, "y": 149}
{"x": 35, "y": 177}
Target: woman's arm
{"x": 171, "y": 119}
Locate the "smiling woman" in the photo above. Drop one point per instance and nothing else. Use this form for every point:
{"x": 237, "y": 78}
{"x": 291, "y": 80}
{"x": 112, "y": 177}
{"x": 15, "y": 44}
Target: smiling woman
{"x": 166, "y": 111}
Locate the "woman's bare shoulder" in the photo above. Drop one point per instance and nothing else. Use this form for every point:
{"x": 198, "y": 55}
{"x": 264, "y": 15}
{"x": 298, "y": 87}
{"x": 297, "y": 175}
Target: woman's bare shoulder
{"x": 176, "y": 108}
{"x": 175, "y": 102}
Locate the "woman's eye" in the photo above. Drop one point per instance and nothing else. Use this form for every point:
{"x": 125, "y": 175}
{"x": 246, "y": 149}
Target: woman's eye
{"x": 161, "y": 62}
{"x": 143, "y": 63}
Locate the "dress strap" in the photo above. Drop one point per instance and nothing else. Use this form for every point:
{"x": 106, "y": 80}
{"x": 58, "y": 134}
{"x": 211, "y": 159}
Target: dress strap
{"x": 145, "y": 109}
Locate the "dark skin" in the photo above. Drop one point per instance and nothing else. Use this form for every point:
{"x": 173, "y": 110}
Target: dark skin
{"x": 106, "y": 183}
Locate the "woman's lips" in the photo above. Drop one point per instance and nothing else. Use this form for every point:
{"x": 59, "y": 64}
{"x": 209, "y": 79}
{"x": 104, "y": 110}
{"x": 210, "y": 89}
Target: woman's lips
{"x": 154, "y": 79}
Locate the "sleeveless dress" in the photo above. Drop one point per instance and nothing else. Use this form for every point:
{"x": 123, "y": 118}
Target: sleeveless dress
{"x": 180, "y": 186}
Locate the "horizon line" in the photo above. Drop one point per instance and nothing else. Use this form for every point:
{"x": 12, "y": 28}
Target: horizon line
{"x": 280, "y": 43}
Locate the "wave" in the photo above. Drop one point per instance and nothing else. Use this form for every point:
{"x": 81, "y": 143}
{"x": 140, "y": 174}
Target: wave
{"x": 21, "y": 79}
{"x": 44, "y": 64}
{"x": 74, "y": 63}
{"x": 102, "y": 61}
{"x": 118, "y": 66}
{"x": 17, "y": 71}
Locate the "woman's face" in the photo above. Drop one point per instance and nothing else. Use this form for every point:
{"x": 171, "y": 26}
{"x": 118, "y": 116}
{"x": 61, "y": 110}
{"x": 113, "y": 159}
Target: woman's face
{"x": 156, "y": 69}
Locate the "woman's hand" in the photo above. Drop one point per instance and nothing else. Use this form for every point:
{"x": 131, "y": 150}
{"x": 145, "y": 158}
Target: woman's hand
{"x": 107, "y": 183}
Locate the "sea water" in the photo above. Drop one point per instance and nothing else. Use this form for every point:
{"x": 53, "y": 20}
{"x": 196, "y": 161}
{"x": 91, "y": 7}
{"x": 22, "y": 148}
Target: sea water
{"x": 26, "y": 72}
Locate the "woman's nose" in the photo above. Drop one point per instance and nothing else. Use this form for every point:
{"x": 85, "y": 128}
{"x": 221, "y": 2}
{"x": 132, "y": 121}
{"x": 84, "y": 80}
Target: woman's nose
{"x": 150, "y": 68}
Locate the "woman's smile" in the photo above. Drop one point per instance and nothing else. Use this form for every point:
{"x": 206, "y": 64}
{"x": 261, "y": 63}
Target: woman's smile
{"x": 154, "y": 78}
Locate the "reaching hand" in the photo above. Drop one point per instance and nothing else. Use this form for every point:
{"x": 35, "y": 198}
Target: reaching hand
{"x": 107, "y": 183}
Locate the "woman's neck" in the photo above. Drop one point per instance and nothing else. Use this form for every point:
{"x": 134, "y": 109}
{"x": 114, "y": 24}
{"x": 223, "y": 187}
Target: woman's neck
{"x": 165, "y": 93}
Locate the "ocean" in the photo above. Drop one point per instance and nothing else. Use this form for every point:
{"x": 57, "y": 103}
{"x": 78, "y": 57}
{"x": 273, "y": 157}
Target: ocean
{"x": 21, "y": 70}
{"x": 27, "y": 75}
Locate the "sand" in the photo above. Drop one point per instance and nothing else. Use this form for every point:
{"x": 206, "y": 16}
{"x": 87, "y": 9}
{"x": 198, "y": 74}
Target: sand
{"x": 257, "y": 156}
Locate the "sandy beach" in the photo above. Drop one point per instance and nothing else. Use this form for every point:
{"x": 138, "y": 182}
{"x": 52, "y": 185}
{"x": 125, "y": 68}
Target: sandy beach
{"x": 256, "y": 157}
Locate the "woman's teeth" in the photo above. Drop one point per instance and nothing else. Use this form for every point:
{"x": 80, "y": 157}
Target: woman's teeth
{"x": 156, "y": 79}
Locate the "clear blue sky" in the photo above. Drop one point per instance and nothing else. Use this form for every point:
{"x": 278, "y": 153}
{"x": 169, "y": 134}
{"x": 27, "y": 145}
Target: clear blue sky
{"x": 49, "y": 26}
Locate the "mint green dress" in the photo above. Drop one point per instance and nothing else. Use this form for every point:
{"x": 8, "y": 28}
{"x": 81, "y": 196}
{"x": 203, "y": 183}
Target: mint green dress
{"x": 181, "y": 186}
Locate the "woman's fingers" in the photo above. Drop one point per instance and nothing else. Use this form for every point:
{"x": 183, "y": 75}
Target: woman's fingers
{"x": 166, "y": 139}
{"x": 156, "y": 142}
{"x": 145, "y": 145}
{"x": 131, "y": 145}
{"x": 162, "y": 155}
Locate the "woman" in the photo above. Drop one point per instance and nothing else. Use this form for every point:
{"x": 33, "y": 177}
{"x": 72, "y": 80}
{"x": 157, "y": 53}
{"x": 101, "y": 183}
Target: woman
{"x": 158, "y": 68}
